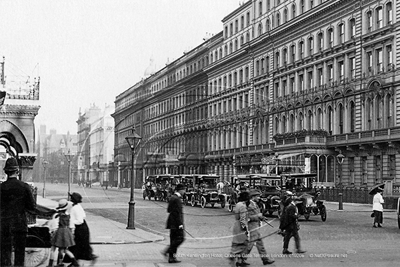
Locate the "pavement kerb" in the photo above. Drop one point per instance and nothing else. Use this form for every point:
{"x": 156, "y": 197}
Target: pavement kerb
{"x": 104, "y": 231}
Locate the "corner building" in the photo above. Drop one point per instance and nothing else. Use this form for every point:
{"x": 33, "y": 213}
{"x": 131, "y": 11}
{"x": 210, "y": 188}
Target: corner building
{"x": 284, "y": 88}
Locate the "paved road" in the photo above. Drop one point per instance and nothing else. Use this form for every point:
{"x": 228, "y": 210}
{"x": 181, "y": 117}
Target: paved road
{"x": 345, "y": 239}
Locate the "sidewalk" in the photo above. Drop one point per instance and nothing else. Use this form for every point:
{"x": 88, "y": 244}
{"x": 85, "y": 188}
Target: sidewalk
{"x": 117, "y": 246}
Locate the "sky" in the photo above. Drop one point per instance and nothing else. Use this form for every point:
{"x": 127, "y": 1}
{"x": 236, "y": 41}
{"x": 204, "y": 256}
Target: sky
{"x": 87, "y": 52}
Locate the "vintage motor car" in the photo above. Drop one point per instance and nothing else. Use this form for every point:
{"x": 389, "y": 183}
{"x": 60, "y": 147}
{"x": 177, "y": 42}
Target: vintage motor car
{"x": 149, "y": 187}
{"x": 240, "y": 183}
{"x": 309, "y": 203}
{"x": 188, "y": 181}
{"x": 205, "y": 191}
{"x": 270, "y": 199}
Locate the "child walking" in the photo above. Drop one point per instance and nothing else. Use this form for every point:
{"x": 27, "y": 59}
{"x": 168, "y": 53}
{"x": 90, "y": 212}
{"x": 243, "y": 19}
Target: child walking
{"x": 62, "y": 237}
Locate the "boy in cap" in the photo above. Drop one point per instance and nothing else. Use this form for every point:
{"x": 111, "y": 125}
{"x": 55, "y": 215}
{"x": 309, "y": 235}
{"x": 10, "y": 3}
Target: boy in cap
{"x": 255, "y": 217}
{"x": 16, "y": 199}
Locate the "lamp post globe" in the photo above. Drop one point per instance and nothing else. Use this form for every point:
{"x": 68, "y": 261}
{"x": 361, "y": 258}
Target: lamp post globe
{"x": 133, "y": 141}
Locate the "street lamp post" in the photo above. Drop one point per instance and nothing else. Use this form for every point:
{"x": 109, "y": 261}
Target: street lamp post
{"x": 68, "y": 156}
{"x": 340, "y": 157}
{"x": 45, "y": 162}
{"x": 277, "y": 159}
{"x": 133, "y": 141}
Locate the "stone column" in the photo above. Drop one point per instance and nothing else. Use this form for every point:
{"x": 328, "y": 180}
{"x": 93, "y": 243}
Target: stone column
{"x": 26, "y": 161}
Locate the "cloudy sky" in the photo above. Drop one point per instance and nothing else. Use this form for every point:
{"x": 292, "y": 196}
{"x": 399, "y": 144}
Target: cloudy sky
{"x": 88, "y": 51}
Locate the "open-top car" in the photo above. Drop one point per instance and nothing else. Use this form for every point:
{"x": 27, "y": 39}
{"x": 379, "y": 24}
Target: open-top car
{"x": 205, "y": 191}
{"x": 309, "y": 203}
{"x": 149, "y": 187}
{"x": 188, "y": 180}
{"x": 240, "y": 183}
{"x": 270, "y": 199}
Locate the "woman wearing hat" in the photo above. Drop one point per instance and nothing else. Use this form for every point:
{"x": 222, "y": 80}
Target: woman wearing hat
{"x": 240, "y": 239}
{"x": 82, "y": 249}
{"x": 377, "y": 207}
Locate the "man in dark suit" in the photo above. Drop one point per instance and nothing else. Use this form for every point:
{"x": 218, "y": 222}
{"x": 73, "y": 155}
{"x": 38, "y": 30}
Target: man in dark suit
{"x": 16, "y": 199}
{"x": 175, "y": 223}
{"x": 289, "y": 224}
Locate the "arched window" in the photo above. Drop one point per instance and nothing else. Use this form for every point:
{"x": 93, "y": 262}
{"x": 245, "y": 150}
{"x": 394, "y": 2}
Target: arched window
{"x": 379, "y": 17}
{"x": 389, "y": 110}
{"x": 309, "y": 120}
{"x": 319, "y": 119}
{"x": 379, "y": 112}
{"x": 352, "y": 117}
{"x": 352, "y": 28}
{"x": 301, "y": 49}
{"x": 330, "y": 120}
{"x": 291, "y": 123}
{"x": 236, "y": 45}
{"x": 276, "y": 128}
{"x": 293, "y": 11}
{"x": 341, "y": 33}
{"x": 267, "y": 26}
{"x": 369, "y": 21}
{"x": 320, "y": 41}
{"x": 301, "y": 122}
{"x": 278, "y": 19}
{"x": 341, "y": 119}
{"x": 285, "y": 15}
{"x": 389, "y": 13}
{"x": 241, "y": 40}
{"x": 284, "y": 124}
{"x": 310, "y": 46}
{"x": 259, "y": 29}
{"x": 230, "y": 48}
{"x": 247, "y": 37}
{"x": 302, "y": 7}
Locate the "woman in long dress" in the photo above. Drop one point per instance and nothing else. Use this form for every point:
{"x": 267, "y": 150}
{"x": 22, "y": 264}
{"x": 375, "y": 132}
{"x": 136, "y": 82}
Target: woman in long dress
{"x": 240, "y": 239}
{"x": 82, "y": 249}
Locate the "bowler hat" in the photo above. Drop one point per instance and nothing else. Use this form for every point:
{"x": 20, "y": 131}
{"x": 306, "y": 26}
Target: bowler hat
{"x": 254, "y": 192}
{"x": 179, "y": 187}
{"x": 76, "y": 197}
{"x": 11, "y": 165}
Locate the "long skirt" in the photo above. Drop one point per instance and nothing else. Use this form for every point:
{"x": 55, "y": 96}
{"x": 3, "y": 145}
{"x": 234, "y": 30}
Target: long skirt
{"x": 82, "y": 249}
{"x": 378, "y": 216}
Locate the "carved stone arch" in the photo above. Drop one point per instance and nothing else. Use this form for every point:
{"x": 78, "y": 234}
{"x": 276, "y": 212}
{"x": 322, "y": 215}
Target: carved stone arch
{"x": 337, "y": 94}
{"x": 298, "y": 104}
{"x": 375, "y": 84}
{"x": 348, "y": 91}
{"x": 327, "y": 97}
{"x": 13, "y": 133}
{"x": 307, "y": 102}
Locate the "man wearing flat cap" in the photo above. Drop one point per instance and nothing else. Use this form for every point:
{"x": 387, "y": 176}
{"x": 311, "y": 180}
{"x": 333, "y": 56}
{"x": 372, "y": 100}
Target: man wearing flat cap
{"x": 16, "y": 199}
{"x": 255, "y": 218}
{"x": 175, "y": 223}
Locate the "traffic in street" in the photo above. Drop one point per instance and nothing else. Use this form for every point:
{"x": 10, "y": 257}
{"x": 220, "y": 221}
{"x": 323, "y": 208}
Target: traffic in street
{"x": 345, "y": 238}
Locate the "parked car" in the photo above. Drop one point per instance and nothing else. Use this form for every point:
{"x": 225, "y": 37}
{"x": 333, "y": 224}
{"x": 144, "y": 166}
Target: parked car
{"x": 270, "y": 199}
{"x": 205, "y": 191}
{"x": 309, "y": 203}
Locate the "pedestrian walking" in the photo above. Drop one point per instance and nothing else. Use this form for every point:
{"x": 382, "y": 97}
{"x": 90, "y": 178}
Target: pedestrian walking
{"x": 82, "y": 249}
{"x": 175, "y": 224}
{"x": 290, "y": 225}
{"x": 255, "y": 218}
{"x": 377, "y": 207}
{"x": 62, "y": 237}
{"x": 240, "y": 239}
{"x": 16, "y": 199}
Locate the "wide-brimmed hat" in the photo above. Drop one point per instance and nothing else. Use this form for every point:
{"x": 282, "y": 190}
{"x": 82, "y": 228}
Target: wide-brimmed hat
{"x": 179, "y": 187}
{"x": 62, "y": 204}
{"x": 76, "y": 197}
{"x": 11, "y": 165}
{"x": 254, "y": 192}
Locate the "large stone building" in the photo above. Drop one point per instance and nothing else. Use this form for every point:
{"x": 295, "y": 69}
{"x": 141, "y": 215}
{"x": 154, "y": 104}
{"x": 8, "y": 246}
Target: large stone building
{"x": 285, "y": 88}
{"x": 95, "y": 144}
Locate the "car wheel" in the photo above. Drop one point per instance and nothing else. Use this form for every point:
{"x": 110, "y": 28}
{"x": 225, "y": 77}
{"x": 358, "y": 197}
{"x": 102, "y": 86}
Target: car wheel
{"x": 231, "y": 205}
{"x": 323, "y": 213}
{"x": 193, "y": 201}
{"x": 203, "y": 202}
{"x": 307, "y": 216}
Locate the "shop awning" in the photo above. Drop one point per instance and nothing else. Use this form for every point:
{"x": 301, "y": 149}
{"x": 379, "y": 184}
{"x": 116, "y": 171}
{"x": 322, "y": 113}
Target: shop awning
{"x": 284, "y": 156}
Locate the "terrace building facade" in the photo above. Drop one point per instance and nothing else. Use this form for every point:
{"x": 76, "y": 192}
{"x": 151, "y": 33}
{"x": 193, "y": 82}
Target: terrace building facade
{"x": 285, "y": 88}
